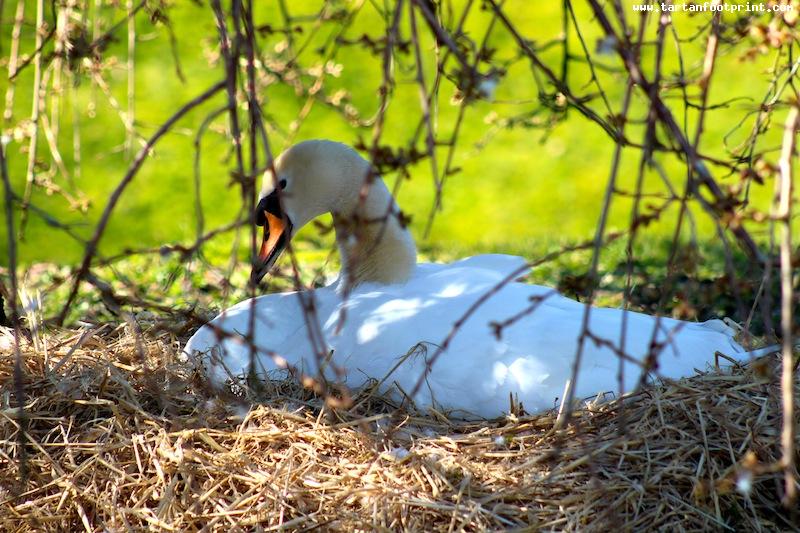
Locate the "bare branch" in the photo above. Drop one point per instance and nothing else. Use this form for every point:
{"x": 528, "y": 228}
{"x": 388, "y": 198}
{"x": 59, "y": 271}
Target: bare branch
{"x": 783, "y": 215}
{"x": 91, "y": 247}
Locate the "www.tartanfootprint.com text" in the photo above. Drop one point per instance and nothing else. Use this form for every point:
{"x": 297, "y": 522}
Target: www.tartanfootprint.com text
{"x": 696, "y": 7}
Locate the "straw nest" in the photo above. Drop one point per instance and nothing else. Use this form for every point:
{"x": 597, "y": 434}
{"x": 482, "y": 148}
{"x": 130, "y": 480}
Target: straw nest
{"x": 122, "y": 436}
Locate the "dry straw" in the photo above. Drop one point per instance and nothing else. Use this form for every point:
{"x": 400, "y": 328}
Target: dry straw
{"x": 122, "y": 436}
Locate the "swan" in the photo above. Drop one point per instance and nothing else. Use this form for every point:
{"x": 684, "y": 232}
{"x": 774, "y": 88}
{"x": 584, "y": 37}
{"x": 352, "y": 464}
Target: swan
{"x": 460, "y": 337}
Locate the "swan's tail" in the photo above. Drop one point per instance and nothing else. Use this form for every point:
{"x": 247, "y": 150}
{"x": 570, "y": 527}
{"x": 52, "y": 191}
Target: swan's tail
{"x": 731, "y": 329}
{"x": 767, "y": 350}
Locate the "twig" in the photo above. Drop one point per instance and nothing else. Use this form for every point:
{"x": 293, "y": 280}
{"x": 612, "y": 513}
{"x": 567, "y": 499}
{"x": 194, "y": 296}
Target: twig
{"x": 665, "y": 115}
{"x": 537, "y": 64}
{"x": 19, "y": 376}
{"x": 115, "y": 105}
{"x": 99, "y": 41}
{"x": 198, "y": 202}
{"x": 645, "y": 159}
{"x": 131, "y": 73}
{"x": 708, "y": 70}
{"x": 36, "y": 93}
{"x": 430, "y": 137}
{"x": 441, "y": 347}
{"x": 13, "y": 57}
{"x": 784, "y": 215}
{"x": 91, "y": 247}
{"x": 565, "y": 413}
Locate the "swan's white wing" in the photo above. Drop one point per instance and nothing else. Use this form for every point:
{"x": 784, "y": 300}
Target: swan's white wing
{"x": 279, "y": 337}
{"x": 392, "y": 332}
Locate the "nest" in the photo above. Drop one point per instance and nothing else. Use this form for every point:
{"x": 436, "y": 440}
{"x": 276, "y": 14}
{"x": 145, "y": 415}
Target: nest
{"x": 122, "y": 436}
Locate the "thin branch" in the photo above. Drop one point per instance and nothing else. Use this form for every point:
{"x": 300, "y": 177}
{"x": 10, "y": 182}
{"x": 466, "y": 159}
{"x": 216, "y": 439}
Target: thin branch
{"x": 569, "y": 397}
{"x": 131, "y": 72}
{"x": 784, "y": 216}
{"x": 666, "y": 117}
{"x": 37, "y": 99}
{"x": 430, "y": 137}
{"x": 19, "y": 376}
{"x": 91, "y": 247}
{"x": 13, "y": 57}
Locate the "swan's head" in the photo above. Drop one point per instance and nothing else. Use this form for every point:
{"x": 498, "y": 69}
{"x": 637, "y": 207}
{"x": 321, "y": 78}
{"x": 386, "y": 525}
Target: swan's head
{"x": 311, "y": 178}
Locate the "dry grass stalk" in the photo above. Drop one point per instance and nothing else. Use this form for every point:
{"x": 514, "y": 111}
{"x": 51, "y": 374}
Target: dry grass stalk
{"x": 115, "y": 447}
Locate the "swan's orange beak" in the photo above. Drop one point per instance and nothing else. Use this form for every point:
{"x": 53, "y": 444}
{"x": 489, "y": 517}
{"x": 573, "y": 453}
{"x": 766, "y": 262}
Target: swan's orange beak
{"x": 277, "y": 230}
{"x": 273, "y": 231}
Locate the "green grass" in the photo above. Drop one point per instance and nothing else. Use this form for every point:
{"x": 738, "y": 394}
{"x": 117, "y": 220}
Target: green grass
{"x": 519, "y": 189}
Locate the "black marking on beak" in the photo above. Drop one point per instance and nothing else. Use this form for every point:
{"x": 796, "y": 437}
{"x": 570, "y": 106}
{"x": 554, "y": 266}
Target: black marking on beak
{"x": 268, "y": 204}
{"x": 277, "y": 232}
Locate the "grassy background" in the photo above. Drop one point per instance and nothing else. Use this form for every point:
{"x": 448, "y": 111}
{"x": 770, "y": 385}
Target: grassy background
{"x": 523, "y": 190}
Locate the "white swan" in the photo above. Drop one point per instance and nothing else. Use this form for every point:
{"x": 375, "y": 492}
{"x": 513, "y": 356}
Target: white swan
{"x": 386, "y": 317}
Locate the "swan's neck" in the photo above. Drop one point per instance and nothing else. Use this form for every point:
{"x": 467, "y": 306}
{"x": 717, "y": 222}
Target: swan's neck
{"x": 373, "y": 245}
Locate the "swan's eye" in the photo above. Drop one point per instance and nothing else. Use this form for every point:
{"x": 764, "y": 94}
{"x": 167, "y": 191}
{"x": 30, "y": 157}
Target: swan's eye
{"x": 282, "y": 184}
